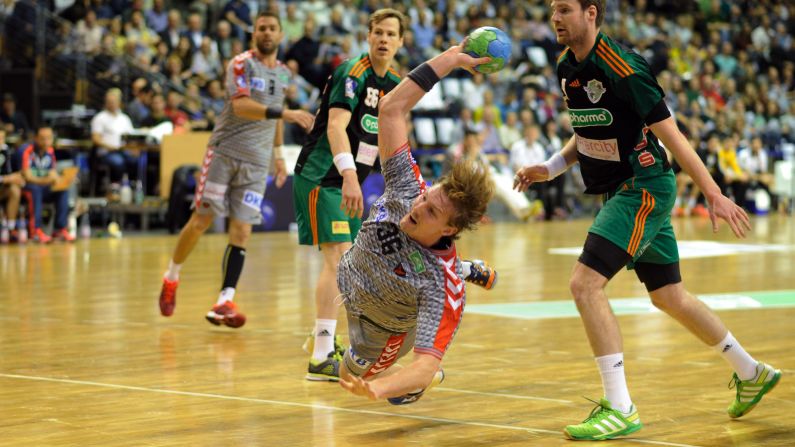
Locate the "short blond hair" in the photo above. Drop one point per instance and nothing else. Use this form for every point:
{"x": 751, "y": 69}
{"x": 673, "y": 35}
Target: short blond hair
{"x": 469, "y": 188}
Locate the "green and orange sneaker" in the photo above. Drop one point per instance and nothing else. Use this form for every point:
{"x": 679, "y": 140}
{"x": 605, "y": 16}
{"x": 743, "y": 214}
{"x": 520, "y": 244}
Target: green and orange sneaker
{"x": 750, "y": 392}
{"x": 604, "y": 422}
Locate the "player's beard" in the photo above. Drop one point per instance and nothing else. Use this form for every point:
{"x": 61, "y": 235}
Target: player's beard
{"x": 265, "y": 50}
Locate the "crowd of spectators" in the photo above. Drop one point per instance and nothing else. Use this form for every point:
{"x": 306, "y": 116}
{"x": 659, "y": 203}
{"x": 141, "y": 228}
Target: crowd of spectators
{"x": 726, "y": 66}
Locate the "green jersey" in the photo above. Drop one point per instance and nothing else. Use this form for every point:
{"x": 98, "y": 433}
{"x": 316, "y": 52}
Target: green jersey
{"x": 612, "y": 98}
{"x": 353, "y": 86}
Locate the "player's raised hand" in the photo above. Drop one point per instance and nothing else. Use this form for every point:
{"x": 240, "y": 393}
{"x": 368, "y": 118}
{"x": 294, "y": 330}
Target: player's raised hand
{"x": 722, "y": 207}
{"x": 352, "y": 200}
{"x": 464, "y": 60}
{"x": 529, "y": 175}
{"x": 359, "y": 387}
{"x": 301, "y": 117}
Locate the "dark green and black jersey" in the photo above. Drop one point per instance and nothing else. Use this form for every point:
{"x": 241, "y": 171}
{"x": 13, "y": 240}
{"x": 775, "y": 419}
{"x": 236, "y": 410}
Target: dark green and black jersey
{"x": 612, "y": 97}
{"x": 353, "y": 86}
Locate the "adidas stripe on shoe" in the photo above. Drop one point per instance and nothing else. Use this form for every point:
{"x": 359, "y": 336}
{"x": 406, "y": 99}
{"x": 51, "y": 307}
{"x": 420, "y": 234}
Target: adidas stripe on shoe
{"x": 750, "y": 392}
{"x": 604, "y": 422}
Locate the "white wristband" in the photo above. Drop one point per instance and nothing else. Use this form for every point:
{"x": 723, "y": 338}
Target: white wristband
{"x": 556, "y": 165}
{"x": 343, "y": 161}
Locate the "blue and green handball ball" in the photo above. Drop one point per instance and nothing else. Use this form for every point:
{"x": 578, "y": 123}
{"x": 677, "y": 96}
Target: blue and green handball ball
{"x": 492, "y": 42}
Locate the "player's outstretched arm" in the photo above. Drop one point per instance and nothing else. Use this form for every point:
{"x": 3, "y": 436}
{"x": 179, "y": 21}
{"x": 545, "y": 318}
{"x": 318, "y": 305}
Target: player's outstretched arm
{"x": 394, "y": 106}
{"x": 720, "y": 206}
{"x": 556, "y": 165}
{"x": 416, "y": 376}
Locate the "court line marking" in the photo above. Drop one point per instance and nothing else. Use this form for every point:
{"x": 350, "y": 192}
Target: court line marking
{"x": 509, "y": 396}
{"x": 314, "y": 406}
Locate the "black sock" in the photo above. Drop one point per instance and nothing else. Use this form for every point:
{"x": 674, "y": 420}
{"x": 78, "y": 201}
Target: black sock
{"x": 232, "y": 265}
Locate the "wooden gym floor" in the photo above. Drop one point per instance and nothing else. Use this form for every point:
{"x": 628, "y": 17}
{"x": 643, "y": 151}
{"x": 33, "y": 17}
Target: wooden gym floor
{"x": 86, "y": 359}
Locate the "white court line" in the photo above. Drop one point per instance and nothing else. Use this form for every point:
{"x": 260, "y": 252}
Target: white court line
{"x": 509, "y": 396}
{"x": 314, "y": 406}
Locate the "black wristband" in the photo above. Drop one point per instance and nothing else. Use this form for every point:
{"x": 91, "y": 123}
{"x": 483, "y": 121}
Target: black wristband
{"x": 424, "y": 76}
{"x": 273, "y": 113}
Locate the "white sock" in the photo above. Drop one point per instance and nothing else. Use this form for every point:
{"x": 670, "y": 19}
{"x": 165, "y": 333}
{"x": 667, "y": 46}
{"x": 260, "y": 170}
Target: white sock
{"x": 466, "y": 268}
{"x": 227, "y": 294}
{"x": 611, "y": 367}
{"x": 741, "y": 361}
{"x": 172, "y": 274}
{"x": 324, "y": 338}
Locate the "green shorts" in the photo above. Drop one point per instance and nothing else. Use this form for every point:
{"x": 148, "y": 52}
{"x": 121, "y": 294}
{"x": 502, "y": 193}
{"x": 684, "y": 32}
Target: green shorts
{"x": 637, "y": 218}
{"x": 318, "y": 214}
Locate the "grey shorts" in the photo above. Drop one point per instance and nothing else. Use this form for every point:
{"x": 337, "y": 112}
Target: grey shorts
{"x": 230, "y": 187}
{"x": 374, "y": 349}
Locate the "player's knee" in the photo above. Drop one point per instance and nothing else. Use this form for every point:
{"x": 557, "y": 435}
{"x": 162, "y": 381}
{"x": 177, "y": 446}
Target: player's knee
{"x": 200, "y": 222}
{"x": 239, "y": 233}
{"x": 14, "y": 192}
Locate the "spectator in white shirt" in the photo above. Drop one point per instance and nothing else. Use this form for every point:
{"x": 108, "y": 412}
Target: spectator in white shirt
{"x": 107, "y": 128}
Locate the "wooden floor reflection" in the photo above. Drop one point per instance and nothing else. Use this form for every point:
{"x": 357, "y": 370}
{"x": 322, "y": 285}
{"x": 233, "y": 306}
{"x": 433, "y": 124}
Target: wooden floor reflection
{"x": 87, "y": 360}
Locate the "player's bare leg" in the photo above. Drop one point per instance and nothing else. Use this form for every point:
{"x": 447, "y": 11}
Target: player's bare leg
{"x": 190, "y": 234}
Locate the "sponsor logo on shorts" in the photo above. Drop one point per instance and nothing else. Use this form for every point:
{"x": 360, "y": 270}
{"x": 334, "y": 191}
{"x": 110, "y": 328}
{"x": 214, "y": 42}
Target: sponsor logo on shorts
{"x": 388, "y": 355}
{"x": 590, "y": 117}
{"x": 599, "y": 149}
{"x": 646, "y": 159}
{"x": 417, "y": 263}
{"x": 370, "y": 123}
{"x": 350, "y": 88}
{"x": 258, "y": 84}
{"x": 340, "y": 227}
{"x": 364, "y": 363}
{"x": 252, "y": 199}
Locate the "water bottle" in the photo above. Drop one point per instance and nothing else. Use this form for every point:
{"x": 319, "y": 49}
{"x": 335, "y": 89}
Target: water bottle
{"x": 126, "y": 194}
{"x": 23, "y": 228}
{"x": 139, "y": 192}
{"x": 85, "y": 227}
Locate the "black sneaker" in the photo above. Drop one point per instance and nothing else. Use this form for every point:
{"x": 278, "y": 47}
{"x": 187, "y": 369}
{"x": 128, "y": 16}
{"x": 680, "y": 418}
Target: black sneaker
{"x": 327, "y": 370}
{"x": 481, "y": 274}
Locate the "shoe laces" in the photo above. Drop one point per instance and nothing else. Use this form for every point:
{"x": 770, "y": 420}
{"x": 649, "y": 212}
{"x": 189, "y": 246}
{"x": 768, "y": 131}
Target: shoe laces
{"x": 596, "y": 412}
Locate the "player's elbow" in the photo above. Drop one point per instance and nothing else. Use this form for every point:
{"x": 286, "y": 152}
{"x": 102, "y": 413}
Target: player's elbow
{"x": 390, "y": 107}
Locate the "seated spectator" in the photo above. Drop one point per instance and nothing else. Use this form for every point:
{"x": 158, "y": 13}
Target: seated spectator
{"x": 107, "y": 128}
{"x": 138, "y": 109}
{"x": 237, "y": 13}
{"x": 215, "y": 99}
{"x": 157, "y": 17}
{"x": 11, "y": 184}
{"x": 491, "y": 140}
{"x": 755, "y": 163}
{"x": 510, "y": 132}
{"x": 224, "y": 40}
{"x": 38, "y": 169}
{"x": 206, "y": 64}
{"x": 173, "y": 30}
{"x": 157, "y": 112}
{"x": 14, "y": 121}
{"x": 175, "y": 113}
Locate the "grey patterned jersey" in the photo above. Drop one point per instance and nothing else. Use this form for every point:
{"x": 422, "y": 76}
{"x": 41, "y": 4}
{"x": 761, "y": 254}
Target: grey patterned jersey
{"x": 393, "y": 281}
{"x": 244, "y": 139}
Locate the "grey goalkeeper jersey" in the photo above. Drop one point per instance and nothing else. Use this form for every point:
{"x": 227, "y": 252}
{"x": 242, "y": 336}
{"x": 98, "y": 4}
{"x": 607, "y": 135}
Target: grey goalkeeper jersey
{"x": 393, "y": 281}
{"x": 245, "y": 139}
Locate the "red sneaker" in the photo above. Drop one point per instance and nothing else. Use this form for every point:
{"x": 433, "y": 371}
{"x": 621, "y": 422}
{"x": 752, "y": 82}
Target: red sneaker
{"x": 700, "y": 211}
{"x": 227, "y": 314}
{"x": 63, "y": 235}
{"x": 168, "y": 297}
{"x": 41, "y": 237}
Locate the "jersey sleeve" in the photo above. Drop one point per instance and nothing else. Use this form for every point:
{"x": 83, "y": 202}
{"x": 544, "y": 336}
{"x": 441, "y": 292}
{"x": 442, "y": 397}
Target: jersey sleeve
{"x": 345, "y": 88}
{"x": 402, "y": 176}
{"x": 238, "y": 78}
{"x": 440, "y": 310}
{"x": 643, "y": 93}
